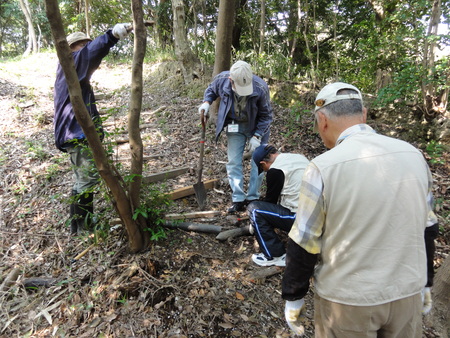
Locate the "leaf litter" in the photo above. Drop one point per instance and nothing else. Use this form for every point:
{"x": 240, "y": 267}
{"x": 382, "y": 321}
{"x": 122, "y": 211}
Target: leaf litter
{"x": 186, "y": 285}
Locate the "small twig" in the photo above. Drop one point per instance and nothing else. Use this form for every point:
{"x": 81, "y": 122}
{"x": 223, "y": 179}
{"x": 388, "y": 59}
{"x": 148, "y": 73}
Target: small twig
{"x": 10, "y": 279}
{"x": 84, "y": 252}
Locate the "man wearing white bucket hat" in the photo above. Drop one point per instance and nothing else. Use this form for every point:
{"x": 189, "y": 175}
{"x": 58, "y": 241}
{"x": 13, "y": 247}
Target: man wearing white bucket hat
{"x": 69, "y": 137}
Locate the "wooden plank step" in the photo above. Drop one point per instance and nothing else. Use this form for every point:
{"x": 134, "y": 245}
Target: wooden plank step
{"x": 165, "y": 175}
{"x": 189, "y": 190}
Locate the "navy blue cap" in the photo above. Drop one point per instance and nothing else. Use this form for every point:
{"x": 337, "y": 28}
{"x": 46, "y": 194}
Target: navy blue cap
{"x": 260, "y": 154}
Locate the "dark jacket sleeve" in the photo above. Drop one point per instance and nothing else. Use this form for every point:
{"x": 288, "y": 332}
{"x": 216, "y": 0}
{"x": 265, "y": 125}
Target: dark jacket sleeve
{"x": 275, "y": 183}
{"x": 299, "y": 269}
{"x": 431, "y": 233}
{"x": 86, "y": 61}
{"x": 263, "y": 107}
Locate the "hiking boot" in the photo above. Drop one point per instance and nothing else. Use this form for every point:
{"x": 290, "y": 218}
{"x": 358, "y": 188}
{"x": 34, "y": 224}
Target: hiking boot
{"x": 262, "y": 260}
{"x": 236, "y": 206}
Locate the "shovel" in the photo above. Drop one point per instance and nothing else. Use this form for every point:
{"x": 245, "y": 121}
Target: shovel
{"x": 199, "y": 187}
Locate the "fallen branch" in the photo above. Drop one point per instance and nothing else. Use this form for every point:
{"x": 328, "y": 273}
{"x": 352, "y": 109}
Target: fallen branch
{"x": 198, "y": 214}
{"x": 165, "y": 175}
{"x": 10, "y": 279}
{"x": 155, "y": 111}
{"x": 197, "y": 227}
{"x": 145, "y": 158}
{"x": 35, "y": 282}
{"x": 229, "y": 234}
{"x": 82, "y": 253}
{"x": 259, "y": 276}
{"x": 121, "y": 140}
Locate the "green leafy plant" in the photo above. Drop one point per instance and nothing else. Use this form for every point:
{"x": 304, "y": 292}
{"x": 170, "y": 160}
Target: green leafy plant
{"x": 435, "y": 150}
{"x": 52, "y": 170}
{"x": 155, "y": 204}
{"x": 141, "y": 211}
{"x": 130, "y": 178}
{"x": 157, "y": 233}
{"x": 36, "y": 151}
{"x": 122, "y": 300}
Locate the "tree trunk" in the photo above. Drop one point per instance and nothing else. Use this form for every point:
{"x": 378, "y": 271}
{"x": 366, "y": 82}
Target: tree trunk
{"x": 32, "y": 41}
{"x": 88, "y": 17}
{"x": 378, "y": 9}
{"x": 305, "y": 29}
{"x": 134, "y": 132}
{"x": 121, "y": 202}
{"x": 238, "y": 23}
{"x": 440, "y": 313}
{"x": 430, "y": 99}
{"x": 189, "y": 62}
{"x": 159, "y": 23}
{"x": 262, "y": 25}
{"x": 224, "y": 36}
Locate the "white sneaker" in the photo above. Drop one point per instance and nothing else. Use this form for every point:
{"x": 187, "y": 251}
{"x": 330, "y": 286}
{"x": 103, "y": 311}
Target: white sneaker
{"x": 262, "y": 260}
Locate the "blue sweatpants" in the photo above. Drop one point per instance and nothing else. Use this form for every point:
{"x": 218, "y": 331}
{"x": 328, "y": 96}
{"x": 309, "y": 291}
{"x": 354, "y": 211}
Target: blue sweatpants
{"x": 265, "y": 217}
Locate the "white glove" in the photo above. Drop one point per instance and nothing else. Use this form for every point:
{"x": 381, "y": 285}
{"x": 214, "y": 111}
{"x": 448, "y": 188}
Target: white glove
{"x": 426, "y": 300}
{"x": 204, "y": 109}
{"x": 294, "y": 313}
{"x": 253, "y": 144}
{"x": 121, "y": 30}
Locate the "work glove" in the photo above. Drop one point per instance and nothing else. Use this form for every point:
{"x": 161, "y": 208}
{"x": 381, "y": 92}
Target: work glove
{"x": 294, "y": 313}
{"x": 204, "y": 109}
{"x": 121, "y": 30}
{"x": 253, "y": 143}
{"x": 426, "y": 300}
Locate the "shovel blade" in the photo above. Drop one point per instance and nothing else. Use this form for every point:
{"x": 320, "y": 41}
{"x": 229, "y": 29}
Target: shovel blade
{"x": 200, "y": 194}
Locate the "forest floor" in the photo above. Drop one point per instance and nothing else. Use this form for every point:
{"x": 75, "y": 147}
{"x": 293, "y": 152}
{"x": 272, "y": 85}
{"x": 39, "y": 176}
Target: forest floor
{"x": 188, "y": 284}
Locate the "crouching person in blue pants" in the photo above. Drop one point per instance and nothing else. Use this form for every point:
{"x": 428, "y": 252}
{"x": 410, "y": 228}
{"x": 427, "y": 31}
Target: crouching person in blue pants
{"x": 278, "y": 208}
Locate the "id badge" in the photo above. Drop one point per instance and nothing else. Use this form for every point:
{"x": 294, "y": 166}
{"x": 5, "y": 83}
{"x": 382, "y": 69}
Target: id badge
{"x": 233, "y": 128}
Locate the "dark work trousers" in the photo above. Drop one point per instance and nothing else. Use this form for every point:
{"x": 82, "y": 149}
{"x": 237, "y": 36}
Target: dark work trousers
{"x": 264, "y": 218}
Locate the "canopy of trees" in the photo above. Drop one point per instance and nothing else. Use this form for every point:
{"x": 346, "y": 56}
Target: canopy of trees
{"x": 392, "y": 46}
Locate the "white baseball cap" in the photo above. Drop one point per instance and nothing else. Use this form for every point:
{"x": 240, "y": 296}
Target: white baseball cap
{"x": 329, "y": 94}
{"x": 242, "y": 76}
{"x": 77, "y": 36}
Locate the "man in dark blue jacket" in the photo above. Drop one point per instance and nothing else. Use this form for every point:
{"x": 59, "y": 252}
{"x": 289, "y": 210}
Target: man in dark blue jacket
{"x": 69, "y": 137}
{"x": 245, "y": 114}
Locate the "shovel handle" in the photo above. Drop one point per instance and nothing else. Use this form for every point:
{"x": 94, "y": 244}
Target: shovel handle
{"x": 204, "y": 119}
{"x": 202, "y": 148}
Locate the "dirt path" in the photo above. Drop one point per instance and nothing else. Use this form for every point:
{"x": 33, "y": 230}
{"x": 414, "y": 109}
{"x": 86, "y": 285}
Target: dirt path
{"x": 188, "y": 284}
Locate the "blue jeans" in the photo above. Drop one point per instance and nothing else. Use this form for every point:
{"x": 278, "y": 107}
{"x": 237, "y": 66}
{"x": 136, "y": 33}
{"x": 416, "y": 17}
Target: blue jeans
{"x": 235, "y": 150}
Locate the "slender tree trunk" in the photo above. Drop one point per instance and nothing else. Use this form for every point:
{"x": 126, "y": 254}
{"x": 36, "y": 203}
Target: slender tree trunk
{"x": 205, "y": 34}
{"x": 224, "y": 36}
{"x": 262, "y": 26}
{"x": 159, "y": 24}
{"x": 190, "y": 63}
{"x": 136, "y": 147}
{"x": 109, "y": 175}
{"x": 88, "y": 17}
{"x": 194, "y": 16}
{"x": 294, "y": 27}
{"x": 336, "y": 51}
{"x": 32, "y": 41}
{"x": 430, "y": 99}
{"x": 238, "y": 22}
{"x": 305, "y": 37}
{"x": 377, "y": 6}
